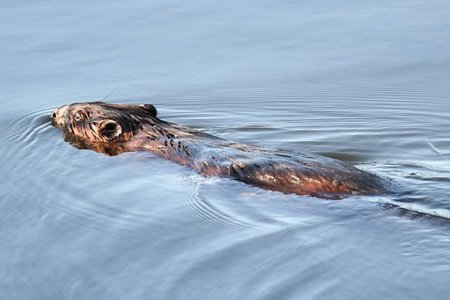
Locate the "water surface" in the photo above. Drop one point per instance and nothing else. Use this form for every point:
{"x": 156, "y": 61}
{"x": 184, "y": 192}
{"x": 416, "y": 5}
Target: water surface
{"x": 366, "y": 83}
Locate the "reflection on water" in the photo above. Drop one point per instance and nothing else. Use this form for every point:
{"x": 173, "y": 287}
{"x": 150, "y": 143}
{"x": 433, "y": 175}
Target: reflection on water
{"x": 184, "y": 231}
{"x": 361, "y": 82}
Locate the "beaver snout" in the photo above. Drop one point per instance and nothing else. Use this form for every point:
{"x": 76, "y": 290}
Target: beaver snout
{"x": 55, "y": 114}
{"x": 58, "y": 116}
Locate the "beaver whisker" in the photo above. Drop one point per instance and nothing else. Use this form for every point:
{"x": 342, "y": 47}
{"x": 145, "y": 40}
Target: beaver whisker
{"x": 103, "y": 100}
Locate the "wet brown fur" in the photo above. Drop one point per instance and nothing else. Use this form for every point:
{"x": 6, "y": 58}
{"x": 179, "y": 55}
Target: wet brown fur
{"x": 115, "y": 128}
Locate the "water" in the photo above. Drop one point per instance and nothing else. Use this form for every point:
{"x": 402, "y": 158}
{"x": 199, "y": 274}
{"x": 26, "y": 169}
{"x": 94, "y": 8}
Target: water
{"x": 366, "y": 83}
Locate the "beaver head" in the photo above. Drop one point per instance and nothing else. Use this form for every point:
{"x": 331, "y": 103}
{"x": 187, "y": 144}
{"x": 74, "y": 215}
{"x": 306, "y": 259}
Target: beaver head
{"x": 103, "y": 122}
{"x": 116, "y": 128}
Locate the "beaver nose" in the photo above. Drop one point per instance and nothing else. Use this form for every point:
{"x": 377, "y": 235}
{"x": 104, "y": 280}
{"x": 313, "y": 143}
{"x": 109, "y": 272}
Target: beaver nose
{"x": 58, "y": 116}
{"x": 55, "y": 113}
{"x": 59, "y": 112}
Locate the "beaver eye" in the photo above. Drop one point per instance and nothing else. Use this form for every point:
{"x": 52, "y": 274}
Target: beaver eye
{"x": 77, "y": 116}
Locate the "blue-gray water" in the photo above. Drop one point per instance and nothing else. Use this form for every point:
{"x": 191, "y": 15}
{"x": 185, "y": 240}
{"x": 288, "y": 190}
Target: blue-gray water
{"x": 364, "y": 82}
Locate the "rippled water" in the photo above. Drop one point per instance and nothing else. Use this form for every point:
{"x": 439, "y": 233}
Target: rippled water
{"x": 364, "y": 83}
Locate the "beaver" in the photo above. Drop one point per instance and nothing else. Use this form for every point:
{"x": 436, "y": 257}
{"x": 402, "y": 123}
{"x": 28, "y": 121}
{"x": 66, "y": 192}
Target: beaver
{"x": 116, "y": 128}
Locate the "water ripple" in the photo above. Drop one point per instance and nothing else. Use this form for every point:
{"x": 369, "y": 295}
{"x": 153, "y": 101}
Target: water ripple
{"x": 201, "y": 206}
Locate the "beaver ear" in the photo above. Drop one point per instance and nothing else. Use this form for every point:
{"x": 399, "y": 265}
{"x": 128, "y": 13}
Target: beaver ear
{"x": 110, "y": 129}
{"x": 150, "y": 109}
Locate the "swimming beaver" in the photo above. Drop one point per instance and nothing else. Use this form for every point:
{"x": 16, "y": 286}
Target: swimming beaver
{"x": 116, "y": 128}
